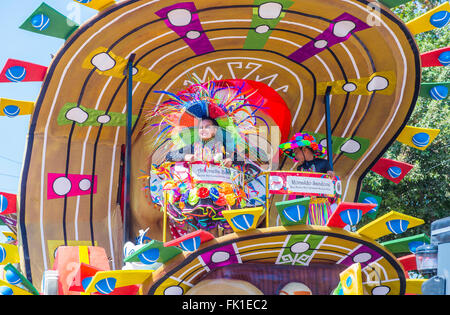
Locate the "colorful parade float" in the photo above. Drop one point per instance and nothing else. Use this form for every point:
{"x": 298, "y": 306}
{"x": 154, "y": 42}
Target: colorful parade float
{"x": 164, "y": 150}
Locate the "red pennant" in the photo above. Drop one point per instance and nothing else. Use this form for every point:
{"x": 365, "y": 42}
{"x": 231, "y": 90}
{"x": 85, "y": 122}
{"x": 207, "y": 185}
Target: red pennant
{"x": 22, "y": 71}
{"x": 85, "y": 271}
{"x": 392, "y": 170}
{"x": 204, "y": 237}
{"x": 336, "y": 218}
{"x": 431, "y": 58}
{"x": 8, "y": 203}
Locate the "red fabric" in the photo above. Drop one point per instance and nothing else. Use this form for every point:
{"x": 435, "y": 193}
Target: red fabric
{"x": 34, "y": 72}
{"x": 430, "y": 58}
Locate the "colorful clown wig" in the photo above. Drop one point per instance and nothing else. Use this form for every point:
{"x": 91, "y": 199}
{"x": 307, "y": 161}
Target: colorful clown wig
{"x": 303, "y": 140}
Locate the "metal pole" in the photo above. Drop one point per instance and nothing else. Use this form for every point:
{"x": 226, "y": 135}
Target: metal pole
{"x": 328, "y": 118}
{"x": 267, "y": 200}
{"x": 126, "y": 210}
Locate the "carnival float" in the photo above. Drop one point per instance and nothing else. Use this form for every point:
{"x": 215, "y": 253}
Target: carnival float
{"x": 166, "y": 152}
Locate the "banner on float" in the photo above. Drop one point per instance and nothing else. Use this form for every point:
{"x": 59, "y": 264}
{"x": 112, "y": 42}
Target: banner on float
{"x": 215, "y": 174}
{"x": 304, "y": 183}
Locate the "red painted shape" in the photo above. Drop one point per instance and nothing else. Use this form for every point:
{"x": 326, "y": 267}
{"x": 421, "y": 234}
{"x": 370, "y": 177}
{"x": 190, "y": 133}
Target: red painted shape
{"x": 335, "y": 219}
{"x": 12, "y": 204}
{"x": 34, "y": 72}
{"x": 383, "y": 165}
{"x": 204, "y": 237}
{"x": 430, "y": 58}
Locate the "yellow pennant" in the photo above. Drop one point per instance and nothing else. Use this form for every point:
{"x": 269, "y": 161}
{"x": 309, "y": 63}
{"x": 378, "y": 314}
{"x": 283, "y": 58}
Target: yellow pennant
{"x": 107, "y": 63}
{"x": 243, "y": 219}
{"x": 435, "y": 18}
{"x": 419, "y": 138}
{"x": 9, "y": 254}
{"x": 98, "y": 5}
{"x": 390, "y": 223}
{"x": 106, "y": 281}
{"x": 12, "y": 108}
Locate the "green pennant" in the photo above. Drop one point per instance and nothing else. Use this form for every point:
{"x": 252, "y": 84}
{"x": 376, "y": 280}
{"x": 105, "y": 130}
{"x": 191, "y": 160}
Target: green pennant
{"x": 369, "y": 198}
{"x": 47, "y": 21}
{"x": 425, "y": 89}
{"x": 393, "y": 3}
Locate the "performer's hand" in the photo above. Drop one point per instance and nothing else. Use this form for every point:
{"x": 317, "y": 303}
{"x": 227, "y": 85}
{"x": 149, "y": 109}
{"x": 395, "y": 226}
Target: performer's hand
{"x": 227, "y": 162}
{"x": 331, "y": 173}
{"x": 189, "y": 158}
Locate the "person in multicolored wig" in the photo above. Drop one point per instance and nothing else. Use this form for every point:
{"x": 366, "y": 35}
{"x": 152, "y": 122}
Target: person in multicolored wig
{"x": 309, "y": 155}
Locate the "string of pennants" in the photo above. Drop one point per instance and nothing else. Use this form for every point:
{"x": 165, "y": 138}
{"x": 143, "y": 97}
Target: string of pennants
{"x": 416, "y": 137}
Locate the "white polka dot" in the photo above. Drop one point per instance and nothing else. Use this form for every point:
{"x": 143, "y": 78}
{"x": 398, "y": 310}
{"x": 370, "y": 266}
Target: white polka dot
{"x": 62, "y": 186}
{"x": 362, "y": 257}
{"x": 103, "y": 61}
{"x": 351, "y": 146}
{"x": 381, "y": 290}
{"x": 320, "y": 44}
{"x": 179, "y": 17}
{"x": 349, "y": 87}
{"x": 299, "y": 247}
{"x": 193, "y": 34}
{"x": 343, "y": 28}
{"x": 84, "y": 184}
{"x": 103, "y": 119}
{"x": 262, "y": 29}
{"x": 270, "y": 10}
{"x": 173, "y": 290}
{"x": 219, "y": 257}
{"x": 323, "y": 142}
{"x": 134, "y": 71}
{"x": 377, "y": 84}
{"x": 77, "y": 114}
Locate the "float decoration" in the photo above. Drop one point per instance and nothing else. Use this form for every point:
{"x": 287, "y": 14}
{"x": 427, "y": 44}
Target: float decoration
{"x": 243, "y": 219}
{"x": 436, "y": 58}
{"x": 418, "y": 138}
{"x": 47, "y": 21}
{"x": 22, "y": 71}
{"x": 13, "y": 108}
{"x": 435, "y": 18}
{"x": 392, "y": 170}
{"x": 407, "y": 244}
{"x": 349, "y": 213}
{"x": 98, "y": 5}
{"x": 390, "y": 223}
{"x": 184, "y": 32}
{"x": 293, "y": 212}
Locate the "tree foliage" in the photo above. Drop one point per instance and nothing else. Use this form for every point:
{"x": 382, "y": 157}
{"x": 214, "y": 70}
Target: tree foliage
{"x": 424, "y": 192}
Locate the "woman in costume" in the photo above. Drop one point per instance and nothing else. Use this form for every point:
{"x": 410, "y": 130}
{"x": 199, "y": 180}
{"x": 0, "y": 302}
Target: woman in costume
{"x": 191, "y": 120}
{"x": 309, "y": 155}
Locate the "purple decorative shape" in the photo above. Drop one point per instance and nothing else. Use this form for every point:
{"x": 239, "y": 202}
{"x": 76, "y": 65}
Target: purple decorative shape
{"x": 220, "y": 257}
{"x": 8, "y": 221}
{"x": 363, "y": 255}
{"x": 182, "y": 19}
{"x": 339, "y": 31}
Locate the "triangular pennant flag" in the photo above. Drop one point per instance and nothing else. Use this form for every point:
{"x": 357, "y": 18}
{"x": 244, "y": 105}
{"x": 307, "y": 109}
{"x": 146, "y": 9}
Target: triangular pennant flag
{"x": 192, "y": 241}
{"x": 152, "y": 252}
{"x": 293, "y": 212}
{"x": 351, "y": 280}
{"x": 435, "y": 18}
{"x": 15, "y": 277}
{"x": 435, "y": 90}
{"x": 105, "y": 282}
{"x": 408, "y": 262}
{"x": 436, "y": 58}
{"x": 9, "y": 254}
{"x": 419, "y": 138}
{"x": 9, "y": 289}
{"x": 10, "y": 237}
{"x": 13, "y": 108}
{"x": 242, "y": 220}
{"x": 83, "y": 277}
{"x": 22, "y": 71}
{"x": 107, "y": 63}
{"x": 393, "y": 3}
{"x": 365, "y": 197}
{"x": 8, "y": 203}
{"x": 392, "y": 170}
{"x": 98, "y": 5}
{"x": 47, "y": 21}
{"x": 390, "y": 223}
{"x": 349, "y": 213}
{"x": 406, "y": 244}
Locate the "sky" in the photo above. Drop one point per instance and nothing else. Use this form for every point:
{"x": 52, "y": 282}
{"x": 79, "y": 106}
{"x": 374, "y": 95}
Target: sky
{"x": 31, "y": 47}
